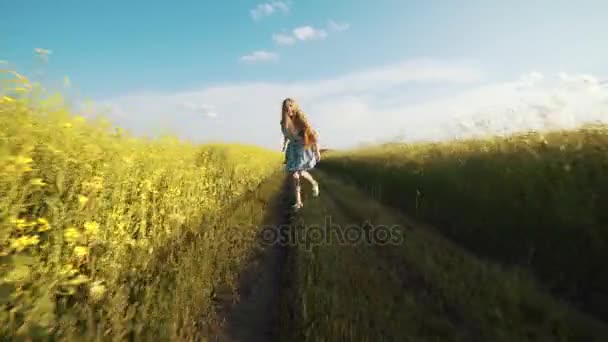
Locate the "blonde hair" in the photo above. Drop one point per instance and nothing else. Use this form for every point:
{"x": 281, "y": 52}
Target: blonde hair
{"x": 299, "y": 121}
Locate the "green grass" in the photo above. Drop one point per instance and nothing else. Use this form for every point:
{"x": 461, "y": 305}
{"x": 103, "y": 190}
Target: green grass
{"x": 537, "y": 200}
{"x": 424, "y": 289}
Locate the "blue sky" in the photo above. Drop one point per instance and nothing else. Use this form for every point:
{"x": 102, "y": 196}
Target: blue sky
{"x": 183, "y": 66}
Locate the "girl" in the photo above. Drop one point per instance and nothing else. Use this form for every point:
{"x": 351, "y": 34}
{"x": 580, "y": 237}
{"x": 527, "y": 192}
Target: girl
{"x": 301, "y": 147}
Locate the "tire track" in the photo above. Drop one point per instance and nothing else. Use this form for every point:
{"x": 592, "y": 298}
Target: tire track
{"x": 253, "y": 312}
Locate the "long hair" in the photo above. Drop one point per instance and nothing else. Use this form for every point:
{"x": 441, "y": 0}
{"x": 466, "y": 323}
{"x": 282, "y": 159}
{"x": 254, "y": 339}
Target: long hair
{"x": 298, "y": 123}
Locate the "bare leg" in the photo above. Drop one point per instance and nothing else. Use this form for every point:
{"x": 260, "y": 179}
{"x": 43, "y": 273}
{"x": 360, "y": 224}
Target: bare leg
{"x": 297, "y": 187}
{"x": 313, "y": 182}
{"x": 308, "y": 177}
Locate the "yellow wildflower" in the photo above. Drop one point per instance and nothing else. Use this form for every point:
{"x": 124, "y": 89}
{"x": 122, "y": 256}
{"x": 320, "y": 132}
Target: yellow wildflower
{"x": 37, "y": 181}
{"x": 23, "y": 224}
{"x": 82, "y": 199}
{"x": 91, "y": 227}
{"x": 71, "y": 235}
{"x": 7, "y": 99}
{"x": 23, "y": 242}
{"x": 81, "y": 251}
{"x": 44, "y": 224}
{"x": 68, "y": 270}
{"x": 21, "y": 160}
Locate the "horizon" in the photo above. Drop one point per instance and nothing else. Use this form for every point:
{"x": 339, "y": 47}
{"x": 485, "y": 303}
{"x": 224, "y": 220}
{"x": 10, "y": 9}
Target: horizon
{"x": 390, "y": 72}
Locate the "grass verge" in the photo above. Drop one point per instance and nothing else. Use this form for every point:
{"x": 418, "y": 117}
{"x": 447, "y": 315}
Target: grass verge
{"x": 422, "y": 289}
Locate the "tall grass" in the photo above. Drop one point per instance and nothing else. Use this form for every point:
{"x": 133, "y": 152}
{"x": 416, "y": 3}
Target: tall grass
{"x": 92, "y": 221}
{"x": 539, "y": 200}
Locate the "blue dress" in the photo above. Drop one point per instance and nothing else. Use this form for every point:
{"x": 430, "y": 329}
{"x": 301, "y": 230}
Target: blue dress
{"x": 297, "y": 157}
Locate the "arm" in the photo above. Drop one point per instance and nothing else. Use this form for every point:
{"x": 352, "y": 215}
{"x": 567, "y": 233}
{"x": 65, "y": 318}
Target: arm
{"x": 285, "y": 140}
{"x": 315, "y": 146}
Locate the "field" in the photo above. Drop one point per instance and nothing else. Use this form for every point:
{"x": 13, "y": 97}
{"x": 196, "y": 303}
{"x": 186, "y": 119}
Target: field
{"x": 104, "y": 236}
{"x": 419, "y": 287}
{"x": 536, "y": 200}
{"x": 100, "y": 233}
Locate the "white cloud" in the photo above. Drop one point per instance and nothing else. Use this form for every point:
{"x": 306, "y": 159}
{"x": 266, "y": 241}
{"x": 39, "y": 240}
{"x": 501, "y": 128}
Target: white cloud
{"x": 268, "y": 8}
{"x": 250, "y": 112}
{"x": 282, "y": 6}
{"x": 43, "y": 54}
{"x": 309, "y": 33}
{"x": 335, "y": 26}
{"x": 283, "y": 39}
{"x": 204, "y": 109}
{"x": 260, "y": 56}
{"x": 42, "y": 51}
{"x": 565, "y": 101}
{"x": 389, "y": 76}
{"x": 375, "y": 105}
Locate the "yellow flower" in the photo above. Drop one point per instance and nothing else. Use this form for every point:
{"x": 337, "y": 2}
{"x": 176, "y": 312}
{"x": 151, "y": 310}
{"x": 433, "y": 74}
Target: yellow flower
{"x": 68, "y": 270}
{"x": 22, "y": 242}
{"x": 23, "y": 224}
{"x": 82, "y": 199}
{"x": 34, "y": 240}
{"x": 44, "y": 224}
{"x": 23, "y": 160}
{"x": 91, "y": 227}
{"x": 7, "y": 99}
{"x": 81, "y": 251}
{"x": 37, "y": 181}
{"x": 67, "y": 125}
{"x": 71, "y": 235}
